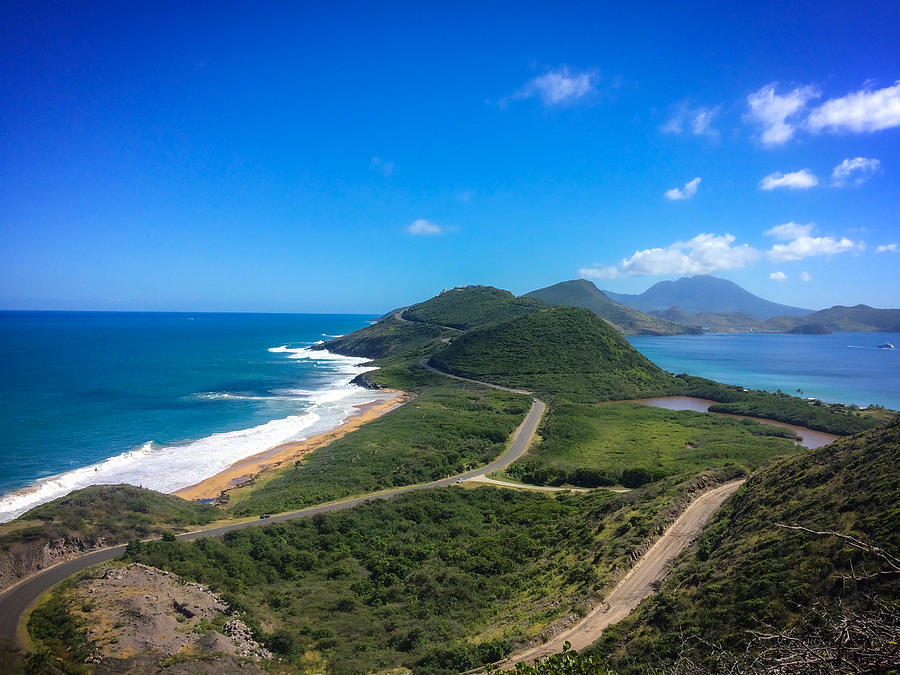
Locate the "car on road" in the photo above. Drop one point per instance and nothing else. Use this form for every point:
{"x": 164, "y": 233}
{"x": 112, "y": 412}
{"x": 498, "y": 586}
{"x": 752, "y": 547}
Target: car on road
{"x": 264, "y": 515}
{"x": 459, "y": 480}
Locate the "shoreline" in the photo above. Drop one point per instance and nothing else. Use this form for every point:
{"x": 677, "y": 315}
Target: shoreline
{"x": 249, "y": 468}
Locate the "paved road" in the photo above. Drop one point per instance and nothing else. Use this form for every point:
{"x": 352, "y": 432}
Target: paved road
{"x": 19, "y": 597}
{"x": 638, "y": 583}
{"x": 426, "y": 364}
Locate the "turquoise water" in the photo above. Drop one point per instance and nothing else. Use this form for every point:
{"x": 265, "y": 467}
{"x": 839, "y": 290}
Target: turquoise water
{"x": 160, "y": 400}
{"x": 841, "y": 367}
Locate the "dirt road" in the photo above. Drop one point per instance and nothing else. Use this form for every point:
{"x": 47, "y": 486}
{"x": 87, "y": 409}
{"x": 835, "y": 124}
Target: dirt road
{"x": 638, "y": 583}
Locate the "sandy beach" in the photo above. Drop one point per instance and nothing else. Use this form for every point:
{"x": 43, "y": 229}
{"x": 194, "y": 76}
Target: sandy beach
{"x": 248, "y": 468}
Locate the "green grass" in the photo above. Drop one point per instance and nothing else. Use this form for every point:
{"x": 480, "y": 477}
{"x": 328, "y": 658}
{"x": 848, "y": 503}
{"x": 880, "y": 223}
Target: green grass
{"x": 438, "y": 581}
{"x": 560, "y": 352}
{"x": 388, "y": 338}
{"x": 470, "y": 306}
{"x": 747, "y": 574}
{"x": 630, "y": 444}
{"x": 107, "y": 513}
{"x": 449, "y": 427}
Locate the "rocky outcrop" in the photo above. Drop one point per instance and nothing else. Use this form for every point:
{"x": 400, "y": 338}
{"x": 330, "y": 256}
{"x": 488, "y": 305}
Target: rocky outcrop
{"x": 23, "y": 558}
{"x": 138, "y": 611}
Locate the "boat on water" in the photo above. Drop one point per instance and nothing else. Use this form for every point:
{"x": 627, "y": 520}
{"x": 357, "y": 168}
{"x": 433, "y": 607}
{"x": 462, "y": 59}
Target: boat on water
{"x": 886, "y": 345}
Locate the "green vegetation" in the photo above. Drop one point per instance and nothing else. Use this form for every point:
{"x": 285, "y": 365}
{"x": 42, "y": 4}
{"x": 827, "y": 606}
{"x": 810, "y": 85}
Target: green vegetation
{"x": 583, "y": 293}
{"x": 107, "y": 513}
{"x": 450, "y": 426}
{"x": 561, "y": 352}
{"x": 389, "y": 337}
{"x": 62, "y": 635}
{"x": 470, "y": 306}
{"x": 631, "y": 444}
{"x": 832, "y": 418}
{"x": 439, "y": 581}
{"x": 748, "y": 574}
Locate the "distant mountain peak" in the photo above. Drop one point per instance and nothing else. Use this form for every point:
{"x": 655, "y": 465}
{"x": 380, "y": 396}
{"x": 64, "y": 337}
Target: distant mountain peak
{"x": 704, "y": 293}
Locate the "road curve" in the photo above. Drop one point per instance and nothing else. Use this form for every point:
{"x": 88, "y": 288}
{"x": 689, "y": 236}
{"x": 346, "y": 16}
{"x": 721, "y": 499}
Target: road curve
{"x": 16, "y": 599}
{"x": 426, "y": 364}
{"x": 638, "y": 583}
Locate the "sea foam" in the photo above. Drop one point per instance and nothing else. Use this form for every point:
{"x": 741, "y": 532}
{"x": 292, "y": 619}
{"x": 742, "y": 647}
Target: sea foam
{"x": 172, "y": 467}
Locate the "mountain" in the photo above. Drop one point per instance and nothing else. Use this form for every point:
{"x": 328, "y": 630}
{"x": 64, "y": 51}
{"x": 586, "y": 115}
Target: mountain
{"x": 583, "y": 293}
{"x": 859, "y": 319}
{"x": 747, "y": 574}
{"x": 565, "y": 352}
{"x": 704, "y": 293}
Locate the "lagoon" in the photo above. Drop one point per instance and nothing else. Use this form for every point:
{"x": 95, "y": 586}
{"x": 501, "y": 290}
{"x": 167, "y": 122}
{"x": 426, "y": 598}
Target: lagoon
{"x": 841, "y": 367}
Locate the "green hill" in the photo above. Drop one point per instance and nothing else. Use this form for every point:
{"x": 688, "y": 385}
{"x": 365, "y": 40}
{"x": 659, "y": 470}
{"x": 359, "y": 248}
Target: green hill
{"x": 583, "y": 293}
{"x": 857, "y": 319}
{"x": 565, "y": 352}
{"x": 470, "y": 306}
{"x": 748, "y": 574}
{"x": 388, "y": 337}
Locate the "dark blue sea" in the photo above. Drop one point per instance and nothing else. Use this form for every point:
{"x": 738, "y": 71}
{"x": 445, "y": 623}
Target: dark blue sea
{"x": 841, "y": 367}
{"x": 159, "y": 400}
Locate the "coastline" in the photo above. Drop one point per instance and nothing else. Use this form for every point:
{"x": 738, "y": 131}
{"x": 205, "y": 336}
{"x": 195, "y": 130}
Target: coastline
{"x": 249, "y": 468}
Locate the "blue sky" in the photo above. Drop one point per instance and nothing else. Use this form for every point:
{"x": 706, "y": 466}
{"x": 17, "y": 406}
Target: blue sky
{"x": 351, "y": 157}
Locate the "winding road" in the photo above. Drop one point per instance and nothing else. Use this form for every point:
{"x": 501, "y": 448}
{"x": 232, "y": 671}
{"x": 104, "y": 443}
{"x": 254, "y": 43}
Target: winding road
{"x": 18, "y": 598}
{"x": 622, "y": 600}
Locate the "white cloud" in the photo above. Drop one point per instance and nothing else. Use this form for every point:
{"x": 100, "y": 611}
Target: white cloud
{"x": 697, "y": 121}
{"x": 689, "y": 190}
{"x": 887, "y": 248}
{"x": 704, "y": 254}
{"x": 861, "y": 166}
{"x": 804, "y": 276}
{"x": 807, "y": 247}
{"x": 423, "y": 226}
{"x": 774, "y": 112}
{"x": 382, "y": 166}
{"x": 796, "y": 180}
{"x": 790, "y": 231}
{"x": 863, "y": 111}
{"x": 801, "y": 244}
{"x": 558, "y": 87}
{"x": 778, "y": 276}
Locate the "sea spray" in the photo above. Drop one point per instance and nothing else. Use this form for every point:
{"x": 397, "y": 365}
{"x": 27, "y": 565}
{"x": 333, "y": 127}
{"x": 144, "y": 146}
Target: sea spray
{"x": 128, "y": 378}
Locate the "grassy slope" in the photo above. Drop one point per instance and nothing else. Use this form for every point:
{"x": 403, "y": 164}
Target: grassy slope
{"x": 746, "y": 573}
{"x": 389, "y": 337}
{"x": 563, "y": 352}
{"x": 438, "y": 580}
{"x": 471, "y": 306}
{"x": 113, "y": 513}
{"x": 583, "y": 293}
{"x": 628, "y": 443}
{"x": 450, "y": 426}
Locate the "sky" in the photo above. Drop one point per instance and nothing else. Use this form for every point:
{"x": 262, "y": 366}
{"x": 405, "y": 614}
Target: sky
{"x": 355, "y": 157}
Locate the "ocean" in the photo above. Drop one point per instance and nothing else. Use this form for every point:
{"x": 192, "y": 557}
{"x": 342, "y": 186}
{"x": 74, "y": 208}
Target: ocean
{"x": 841, "y": 367}
{"x": 160, "y": 400}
